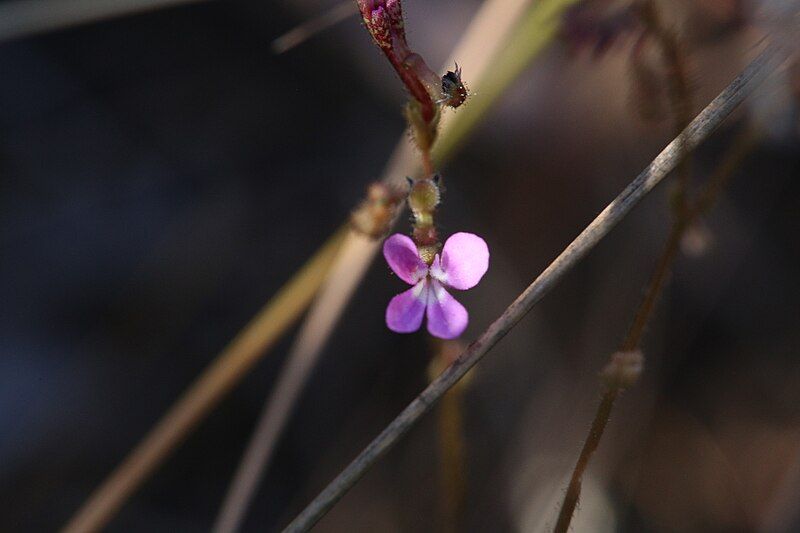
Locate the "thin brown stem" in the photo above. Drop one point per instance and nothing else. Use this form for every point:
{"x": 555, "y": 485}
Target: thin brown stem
{"x": 452, "y": 446}
{"x": 452, "y": 456}
{"x": 592, "y": 441}
{"x": 631, "y": 342}
{"x": 700, "y": 128}
{"x": 680, "y": 104}
{"x": 741, "y": 146}
{"x": 655, "y": 286}
{"x": 427, "y": 163}
{"x": 678, "y": 90}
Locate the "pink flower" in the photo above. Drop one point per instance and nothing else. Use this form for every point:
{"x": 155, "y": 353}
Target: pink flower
{"x": 464, "y": 261}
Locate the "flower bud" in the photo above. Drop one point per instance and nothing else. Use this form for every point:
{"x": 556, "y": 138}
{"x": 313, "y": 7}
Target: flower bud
{"x": 424, "y": 196}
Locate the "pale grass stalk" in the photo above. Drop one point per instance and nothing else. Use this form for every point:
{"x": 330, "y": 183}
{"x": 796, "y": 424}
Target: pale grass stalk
{"x": 23, "y": 18}
{"x": 316, "y": 329}
{"x": 485, "y": 45}
{"x": 700, "y": 128}
{"x": 783, "y": 511}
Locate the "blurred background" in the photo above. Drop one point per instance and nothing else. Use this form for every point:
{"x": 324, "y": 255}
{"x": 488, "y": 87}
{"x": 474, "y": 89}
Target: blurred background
{"x": 163, "y": 174}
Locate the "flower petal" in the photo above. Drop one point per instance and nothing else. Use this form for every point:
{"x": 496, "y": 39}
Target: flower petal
{"x": 465, "y": 259}
{"x": 447, "y": 319}
{"x": 402, "y": 255}
{"x": 404, "y": 313}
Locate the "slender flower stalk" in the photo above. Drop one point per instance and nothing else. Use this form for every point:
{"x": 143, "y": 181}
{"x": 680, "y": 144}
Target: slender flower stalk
{"x": 465, "y": 257}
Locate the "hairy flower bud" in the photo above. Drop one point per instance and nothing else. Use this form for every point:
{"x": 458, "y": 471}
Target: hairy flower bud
{"x": 424, "y": 195}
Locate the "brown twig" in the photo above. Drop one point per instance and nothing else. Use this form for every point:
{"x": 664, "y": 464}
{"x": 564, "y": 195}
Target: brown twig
{"x": 700, "y": 128}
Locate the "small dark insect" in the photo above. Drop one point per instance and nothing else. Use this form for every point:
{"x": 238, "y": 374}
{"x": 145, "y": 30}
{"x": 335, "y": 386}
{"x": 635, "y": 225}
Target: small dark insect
{"x": 453, "y": 88}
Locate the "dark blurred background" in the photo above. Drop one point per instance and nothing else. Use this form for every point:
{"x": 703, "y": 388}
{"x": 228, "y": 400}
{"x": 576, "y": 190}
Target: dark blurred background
{"x": 161, "y": 175}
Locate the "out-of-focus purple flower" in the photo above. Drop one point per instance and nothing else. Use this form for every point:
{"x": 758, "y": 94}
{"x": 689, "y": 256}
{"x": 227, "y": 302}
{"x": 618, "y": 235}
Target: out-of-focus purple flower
{"x": 463, "y": 262}
{"x": 598, "y": 24}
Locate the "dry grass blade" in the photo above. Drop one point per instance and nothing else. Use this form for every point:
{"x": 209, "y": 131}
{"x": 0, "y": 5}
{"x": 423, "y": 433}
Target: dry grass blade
{"x": 700, "y": 128}
{"x": 343, "y": 279}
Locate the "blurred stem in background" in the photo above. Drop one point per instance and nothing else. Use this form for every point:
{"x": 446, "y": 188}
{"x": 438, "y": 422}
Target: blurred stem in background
{"x": 625, "y": 365}
{"x": 492, "y": 58}
{"x": 452, "y": 443}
